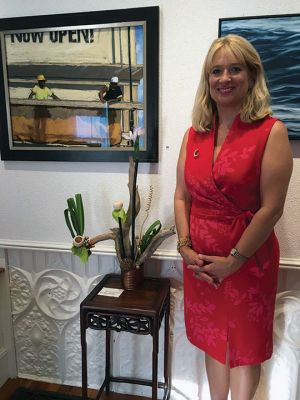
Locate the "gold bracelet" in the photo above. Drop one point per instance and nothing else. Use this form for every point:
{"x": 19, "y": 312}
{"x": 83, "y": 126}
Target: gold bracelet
{"x": 181, "y": 242}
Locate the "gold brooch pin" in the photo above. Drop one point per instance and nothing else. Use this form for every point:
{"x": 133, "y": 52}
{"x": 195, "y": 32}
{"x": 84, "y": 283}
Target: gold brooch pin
{"x": 196, "y": 153}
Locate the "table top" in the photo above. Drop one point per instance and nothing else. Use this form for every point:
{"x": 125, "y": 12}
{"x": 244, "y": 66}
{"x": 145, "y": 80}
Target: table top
{"x": 147, "y": 300}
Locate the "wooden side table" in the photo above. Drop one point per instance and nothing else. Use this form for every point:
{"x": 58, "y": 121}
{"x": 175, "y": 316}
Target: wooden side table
{"x": 138, "y": 311}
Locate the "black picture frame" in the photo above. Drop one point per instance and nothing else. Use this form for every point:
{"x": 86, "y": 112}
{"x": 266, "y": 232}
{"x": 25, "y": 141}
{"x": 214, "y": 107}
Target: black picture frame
{"x": 276, "y": 38}
{"x": 95, "y": 47}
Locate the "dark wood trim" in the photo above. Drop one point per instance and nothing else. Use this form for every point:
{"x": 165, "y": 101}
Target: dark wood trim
{"x": 12, "y": 384}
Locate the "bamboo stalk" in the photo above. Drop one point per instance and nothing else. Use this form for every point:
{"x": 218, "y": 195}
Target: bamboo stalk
{"x": 133, "y": 217}
{"x": 122, "y": 248}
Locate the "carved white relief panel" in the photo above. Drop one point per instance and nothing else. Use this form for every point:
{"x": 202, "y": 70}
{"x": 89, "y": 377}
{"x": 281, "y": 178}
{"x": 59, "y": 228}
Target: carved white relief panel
{"x": 46, "y": 291}
{"x": 72, "y": 352}
{"x": 280, "y": 374}
{"x": 58, "y": 294}
{"x": 191, "y": 382}
{"x": 45, "y": 299}
{"x": 20, "y": 290}
{"x": 37, "y": 344}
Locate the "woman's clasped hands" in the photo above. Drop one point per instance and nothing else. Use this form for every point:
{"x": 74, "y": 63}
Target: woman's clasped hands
{"x": 211, "y": 269}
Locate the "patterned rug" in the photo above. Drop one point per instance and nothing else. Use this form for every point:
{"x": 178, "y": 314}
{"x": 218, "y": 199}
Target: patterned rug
{"x": 32, "y": 394}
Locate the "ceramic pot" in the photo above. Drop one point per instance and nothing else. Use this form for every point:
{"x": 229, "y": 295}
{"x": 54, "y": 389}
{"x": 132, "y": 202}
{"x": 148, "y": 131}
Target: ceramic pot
{"x": 132, "y": 279}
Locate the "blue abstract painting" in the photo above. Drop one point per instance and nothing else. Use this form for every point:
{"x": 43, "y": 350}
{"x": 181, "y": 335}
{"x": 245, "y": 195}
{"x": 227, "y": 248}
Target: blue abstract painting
{"x": 277, "y": 39}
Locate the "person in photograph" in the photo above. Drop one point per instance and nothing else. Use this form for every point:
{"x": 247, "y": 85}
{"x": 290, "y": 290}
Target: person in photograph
{"x": 41, "y": 91}
{"x": 111, "y": 94}
{"x": 41, "y": 112}
{"x": 233, "y": 173}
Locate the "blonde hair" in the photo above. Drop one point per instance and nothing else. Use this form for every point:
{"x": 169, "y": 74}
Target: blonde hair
{"x": 256, "y": 104}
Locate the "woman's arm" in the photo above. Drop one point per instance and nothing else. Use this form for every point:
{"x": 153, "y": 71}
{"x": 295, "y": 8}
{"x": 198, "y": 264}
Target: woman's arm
{"x": 182, "y": 205}
{"x": 276, "y": 170}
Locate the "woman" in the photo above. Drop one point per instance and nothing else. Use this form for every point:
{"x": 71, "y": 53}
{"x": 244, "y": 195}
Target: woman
{"x": 232, "y": 177}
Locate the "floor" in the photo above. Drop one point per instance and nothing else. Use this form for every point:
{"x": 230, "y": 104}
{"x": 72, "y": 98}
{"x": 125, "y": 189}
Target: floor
{"x": 12, "y": 384}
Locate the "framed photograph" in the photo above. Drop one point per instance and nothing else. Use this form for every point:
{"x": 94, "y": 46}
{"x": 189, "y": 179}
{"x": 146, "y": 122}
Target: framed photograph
{"x": 276, "y": 38}
{"x": 80, "y": 87}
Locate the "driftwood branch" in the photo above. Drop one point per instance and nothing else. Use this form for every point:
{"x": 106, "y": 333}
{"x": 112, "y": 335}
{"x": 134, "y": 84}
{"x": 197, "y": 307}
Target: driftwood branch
{"x": 156, "y": 241}
{"x": 111, "y": 235}
{"x": 117, "y": 239}
{"x": 114, "y": 233}
{"x": 127, "y": 224}
{"x": 126, "y": 256}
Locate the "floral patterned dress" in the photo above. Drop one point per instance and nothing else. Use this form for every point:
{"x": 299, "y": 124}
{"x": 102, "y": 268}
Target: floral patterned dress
{"x": 225, "y": 194}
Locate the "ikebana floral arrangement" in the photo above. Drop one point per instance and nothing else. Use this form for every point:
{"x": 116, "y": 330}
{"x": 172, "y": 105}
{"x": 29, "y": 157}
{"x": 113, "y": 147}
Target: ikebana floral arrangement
{"x": 132, "y": 249}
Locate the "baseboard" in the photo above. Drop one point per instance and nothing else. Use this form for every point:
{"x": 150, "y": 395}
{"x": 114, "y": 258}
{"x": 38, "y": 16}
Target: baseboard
{"x": 46, "y": 379}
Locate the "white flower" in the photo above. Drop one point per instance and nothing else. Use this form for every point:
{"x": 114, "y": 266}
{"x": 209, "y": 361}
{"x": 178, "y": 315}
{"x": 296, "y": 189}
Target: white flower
{"x": 118, "y": 205}
{"x": 133, "y": 135}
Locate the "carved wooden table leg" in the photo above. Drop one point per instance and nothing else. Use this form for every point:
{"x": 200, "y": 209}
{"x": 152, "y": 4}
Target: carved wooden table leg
{"x": 140, "y": 312}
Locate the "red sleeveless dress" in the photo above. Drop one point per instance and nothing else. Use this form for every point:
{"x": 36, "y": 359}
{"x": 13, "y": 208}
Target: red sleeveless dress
{"x": 225, "y": 194}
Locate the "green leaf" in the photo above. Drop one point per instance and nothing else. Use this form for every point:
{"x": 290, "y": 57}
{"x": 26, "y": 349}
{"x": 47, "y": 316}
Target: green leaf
{"x": 80, "y": 213}
{"x": 69, "y": 225}
{"x": 151, "y": 232}
{"x": 73, "y": 214}
{"x": 119, "y": 214}
{"x": 71, "y": 204}
{"x": 81, "y": 252}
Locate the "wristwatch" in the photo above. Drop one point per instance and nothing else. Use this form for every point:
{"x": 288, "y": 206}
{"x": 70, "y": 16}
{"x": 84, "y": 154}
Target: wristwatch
{"x": 235, "y": 253}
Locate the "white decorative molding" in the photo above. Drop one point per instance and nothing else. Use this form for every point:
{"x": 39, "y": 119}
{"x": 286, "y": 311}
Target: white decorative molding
{"x": 290, "y": 263}
{"x": 160, "y": 254}
{"x": 66, "y": 248}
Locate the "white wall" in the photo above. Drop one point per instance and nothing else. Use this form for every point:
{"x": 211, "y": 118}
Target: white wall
{"x": 33, "y": 194}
